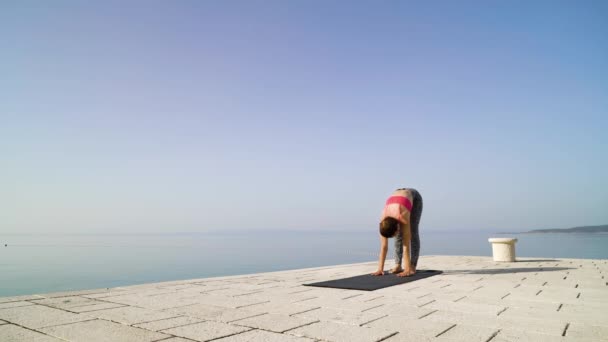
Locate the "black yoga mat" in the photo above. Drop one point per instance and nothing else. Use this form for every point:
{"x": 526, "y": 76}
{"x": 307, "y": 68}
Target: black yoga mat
{"x": 368, "y": 282}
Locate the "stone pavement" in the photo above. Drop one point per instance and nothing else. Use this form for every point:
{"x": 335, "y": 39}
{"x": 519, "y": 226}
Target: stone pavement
{"x": 475, "y": 299}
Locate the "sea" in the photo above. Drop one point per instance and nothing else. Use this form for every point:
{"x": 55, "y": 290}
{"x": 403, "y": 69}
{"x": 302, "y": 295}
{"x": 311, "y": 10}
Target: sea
{"x": 35, "y": 264}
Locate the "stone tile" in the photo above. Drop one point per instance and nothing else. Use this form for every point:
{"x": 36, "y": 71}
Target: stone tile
{"x": 472, "y": 291}
{"x": 409, "y": 337}
{"x": 230, "y": 292}
{"x": 205, "y": 331}
{"x": 13, "y": 333}
{"x": 95, "y": 307}
{"x": 130, "y": 315}
{"x": 168, "y": 323}
{"x": 75, "y": 293}
{"x": 262, "y": 336}
{"x": 257, "y": 285}
{"x": 402, "y": 310}
{"x": 9, "y": 305}
{"x": 335, "y": 332}
{"x": 509, "y": 335}
{"x": 465, "y": 307}
{"x": 403, "y": 299}
{"x": 497, "y": 322}
{"x": 416, "y": 327}
{"x": 176, "y": 339}
{"x": 215, "y": 313}
{"x": 581, "y": 331}
{"x": 339, "y": 316}
{"x": 38, "y": 316}
{"x": 274, "y": 322}
{"x": 590, "y": 318}
{"x": 568, "y": 309}
{"x": 469, "y": 333}
{"x": 101, "y": 331}
{"x": 111, "y": 293}
{"x": 230, "y": 302}
{"x": 513, "y": 303}
{"x": 125, "y": 299}
{"x": 280, "y": 308}
{"x": 18, "y": 298}
{"x": 337, "y": 303}
{"x": 66, "y": 302}
{"x": 180, "y": 287}
{"x": 489, "y": 294}
{"x": 462, "y": 318}
{"x": 270, "y": 296}
{"x": 3, "y": 322}
{"x": 155, "y": 302}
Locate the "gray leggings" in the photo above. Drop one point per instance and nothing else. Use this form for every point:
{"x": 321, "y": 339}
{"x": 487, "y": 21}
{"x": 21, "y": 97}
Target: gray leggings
{"x": 414, "y": 221}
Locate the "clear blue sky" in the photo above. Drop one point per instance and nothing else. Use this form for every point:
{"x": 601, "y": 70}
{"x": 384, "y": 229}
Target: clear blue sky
{"x": 171, "y": 116}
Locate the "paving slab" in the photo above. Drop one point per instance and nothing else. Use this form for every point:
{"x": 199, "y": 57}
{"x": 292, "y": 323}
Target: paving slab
{"x": 95, "y": 307}
{"x": 465, "y": 332}
{"x": 280, "y": 308}
{"x": 176, "y": 339}
{"x": 102, "y": 331}
{"x": 129, "y": 315}
{"x": 509, "y": 335}
{"x": 514, "y": 303}
{"x": 66, "y": 302}
{"x": 585, "y": 331}
{"x": 13, "y": 333}
{"x": 39, "y": 316}
{"x": 340, "y": 316}
{"x": 408, "y": 326}
{"x": 534, "y": 299}
{"x": 111, "y": 293}
{"x": 532, "y": 315}
{"x": 230, "y": 302}
{"x": 9, "y": 305}
{"x": 156, "y": 301}
{"x": 489, "y": 309}
{"x": 206, "y": 331}
{"x": 262, "y": 336}
{"x": 215, "y": 313}
{"x": 337, "y": 303}
{"x": 553, "y": 328}
{"x": 402, "y": 310}
{"x": 168, "y": 323}
{"x": 336, "y": 332}
{"x": 18, "y": 298}
{"x": 274, "y": 322}
{"x": 74, "y": 293}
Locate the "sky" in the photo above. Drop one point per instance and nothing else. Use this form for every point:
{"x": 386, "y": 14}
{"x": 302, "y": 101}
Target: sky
{"x": 184, "y": 116}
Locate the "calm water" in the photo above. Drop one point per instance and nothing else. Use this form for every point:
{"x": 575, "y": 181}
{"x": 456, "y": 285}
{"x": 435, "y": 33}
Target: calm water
{"x": 40, "y": 264}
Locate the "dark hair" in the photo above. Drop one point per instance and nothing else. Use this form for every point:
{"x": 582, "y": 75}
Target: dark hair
{"x": 388, "y": 227}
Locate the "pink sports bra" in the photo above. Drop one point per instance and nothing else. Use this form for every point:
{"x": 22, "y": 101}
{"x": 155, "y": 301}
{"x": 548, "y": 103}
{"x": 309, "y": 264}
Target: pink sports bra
{"x": 404, "y": 201}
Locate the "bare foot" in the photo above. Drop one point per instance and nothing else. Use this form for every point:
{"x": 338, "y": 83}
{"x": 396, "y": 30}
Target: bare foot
{"x": 406, "y": 273}
{"x": 396, "y": 269}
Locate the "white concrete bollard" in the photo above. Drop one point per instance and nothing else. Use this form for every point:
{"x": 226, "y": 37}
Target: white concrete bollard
{"x": 503, "y": 249}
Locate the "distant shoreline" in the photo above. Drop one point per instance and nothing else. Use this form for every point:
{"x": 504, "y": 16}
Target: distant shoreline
{"x": 584, "y": 229}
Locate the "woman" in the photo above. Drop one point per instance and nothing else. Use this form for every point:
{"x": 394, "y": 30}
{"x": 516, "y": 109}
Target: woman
{"x": 400, "y": 219}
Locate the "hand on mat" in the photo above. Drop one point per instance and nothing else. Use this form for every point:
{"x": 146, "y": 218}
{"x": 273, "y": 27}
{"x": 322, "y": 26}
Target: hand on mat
{"x": 378, "y": 273}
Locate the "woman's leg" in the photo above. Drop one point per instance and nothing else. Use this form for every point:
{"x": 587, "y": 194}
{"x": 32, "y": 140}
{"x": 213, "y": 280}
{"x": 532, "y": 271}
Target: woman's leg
{"x": 414, "y": 222}
{"x": 398, "y": 248}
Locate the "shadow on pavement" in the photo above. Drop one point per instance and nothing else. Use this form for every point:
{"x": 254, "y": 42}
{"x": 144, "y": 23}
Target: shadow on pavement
{"x": 508, "y": 270}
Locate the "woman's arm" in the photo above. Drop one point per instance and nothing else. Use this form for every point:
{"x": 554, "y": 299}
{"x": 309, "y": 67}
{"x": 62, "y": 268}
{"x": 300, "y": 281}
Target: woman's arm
{"x": 382, "y": 256}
